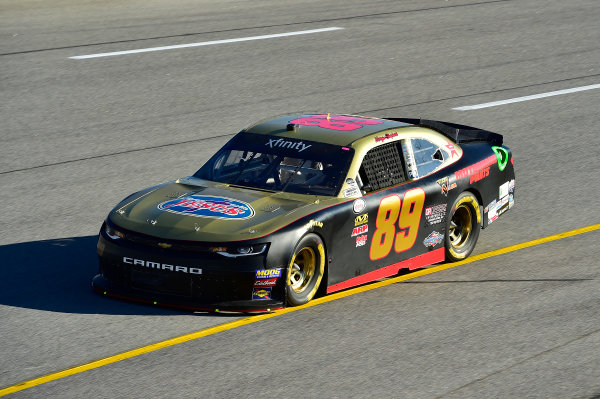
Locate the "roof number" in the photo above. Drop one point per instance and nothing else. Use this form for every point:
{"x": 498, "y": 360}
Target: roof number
{"x": 336, "y": 122}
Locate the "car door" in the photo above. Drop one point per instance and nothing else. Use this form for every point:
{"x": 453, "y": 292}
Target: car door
{"x": 401, "y": 218}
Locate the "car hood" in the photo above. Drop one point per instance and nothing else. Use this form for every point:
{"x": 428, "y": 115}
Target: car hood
{"x": 200, "y": 210}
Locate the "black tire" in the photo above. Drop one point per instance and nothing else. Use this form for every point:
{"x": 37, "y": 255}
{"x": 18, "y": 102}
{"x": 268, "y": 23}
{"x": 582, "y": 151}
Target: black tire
{"x": 305, "y": 271}
{"x": 462, "y": 227}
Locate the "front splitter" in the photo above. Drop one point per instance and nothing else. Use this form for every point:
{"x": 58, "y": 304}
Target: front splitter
{"x": 103, "y": 287}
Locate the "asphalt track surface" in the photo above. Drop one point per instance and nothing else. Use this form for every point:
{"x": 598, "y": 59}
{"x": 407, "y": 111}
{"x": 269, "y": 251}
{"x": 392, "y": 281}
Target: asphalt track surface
{"x": 79, "y": 135}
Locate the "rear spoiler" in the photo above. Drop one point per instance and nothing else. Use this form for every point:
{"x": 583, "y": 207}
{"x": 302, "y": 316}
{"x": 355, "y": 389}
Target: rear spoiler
{"x": 454, "y": 131}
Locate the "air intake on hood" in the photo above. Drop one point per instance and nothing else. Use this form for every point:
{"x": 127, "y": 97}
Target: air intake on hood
{"x": 271, "y": 207}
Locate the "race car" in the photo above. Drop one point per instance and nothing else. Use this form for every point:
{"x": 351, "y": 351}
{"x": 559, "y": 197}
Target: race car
{"x": 304, "y": 205}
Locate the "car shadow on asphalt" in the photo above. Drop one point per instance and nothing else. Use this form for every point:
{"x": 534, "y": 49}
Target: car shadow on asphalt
{"x": 55, "y": 275}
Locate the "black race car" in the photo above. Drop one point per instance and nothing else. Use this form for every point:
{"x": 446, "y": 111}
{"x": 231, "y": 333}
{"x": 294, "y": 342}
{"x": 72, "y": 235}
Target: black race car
{"x": 305, "y": 205}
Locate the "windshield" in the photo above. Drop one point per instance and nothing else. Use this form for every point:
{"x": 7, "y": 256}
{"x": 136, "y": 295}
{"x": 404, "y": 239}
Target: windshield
{"x": 279, "y": 164}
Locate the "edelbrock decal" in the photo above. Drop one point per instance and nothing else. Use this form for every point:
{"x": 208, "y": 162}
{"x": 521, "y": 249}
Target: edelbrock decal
{"x": 207, "y": 206}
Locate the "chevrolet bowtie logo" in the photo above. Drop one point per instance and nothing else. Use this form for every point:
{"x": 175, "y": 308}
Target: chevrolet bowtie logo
{"x": 164, "y": 245}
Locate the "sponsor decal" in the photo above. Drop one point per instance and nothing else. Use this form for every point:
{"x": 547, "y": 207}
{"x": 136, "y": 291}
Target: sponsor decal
{"x": 433, "y": 239}
{"x": 351, "y": 192}
{"x": 336, "y": 122}
{"x": 361, "y": 240}
{"x": 270, "y": 282}
{"x": 268, "y": 273}
{"x": 435, "y": 214}
{"x": 161, "y": 266}
{"x": 291, "y": 144}
{"x": 387, "y": 136}
{"x": 313, "y": 223}
{"x": 360, "y": 230}
{"x": 491, "y": 210}
{"x": 502, "y": 206}
{"x": 361, "y": 219}
{"x": 503, "y": 190}
{"x": 476, "y": 169}
{"x": 480, "y": 175}
{"x": 262, "y": 293}
{"x": 511, "y": 186}
{"x": 502, "y": 156}
{"x": 511, "y": 200}
{"x": 207, "y": 206}
{"x": 452, "y": 149}
{"x": 359, "y": 205}
{"x": 445, "y": 185}
{"x": 410, "y": 161}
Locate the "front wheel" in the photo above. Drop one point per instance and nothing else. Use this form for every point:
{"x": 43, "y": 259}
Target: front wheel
{"x": 463, "y": 227}
{"x": 305, "y": 270}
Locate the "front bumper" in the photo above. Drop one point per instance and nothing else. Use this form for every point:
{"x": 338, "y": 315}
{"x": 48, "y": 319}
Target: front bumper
{"x": 104, "y": 287}
{"x": 184, "y": 279}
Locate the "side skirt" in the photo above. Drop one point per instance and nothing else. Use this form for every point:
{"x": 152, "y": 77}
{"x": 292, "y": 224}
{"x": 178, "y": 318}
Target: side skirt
{"x": 435, "y": 256}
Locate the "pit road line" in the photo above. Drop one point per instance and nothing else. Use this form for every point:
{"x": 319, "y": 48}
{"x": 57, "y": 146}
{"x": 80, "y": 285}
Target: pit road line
{"x": 178, "y": 46}
{"x": 526, "y": 98}
{"x": 253, "y": 319}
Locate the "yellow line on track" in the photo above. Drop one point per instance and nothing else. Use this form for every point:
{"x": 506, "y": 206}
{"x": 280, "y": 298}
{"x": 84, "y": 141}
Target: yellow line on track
{"x": 256, "y": 318}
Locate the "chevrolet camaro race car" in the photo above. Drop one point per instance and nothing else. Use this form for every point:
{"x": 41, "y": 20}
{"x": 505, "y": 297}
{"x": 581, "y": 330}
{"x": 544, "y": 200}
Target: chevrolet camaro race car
{"x": 305, "y": 205}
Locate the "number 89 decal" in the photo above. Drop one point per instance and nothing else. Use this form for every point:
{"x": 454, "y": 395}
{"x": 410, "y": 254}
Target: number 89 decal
{"x": 408, "y": 216}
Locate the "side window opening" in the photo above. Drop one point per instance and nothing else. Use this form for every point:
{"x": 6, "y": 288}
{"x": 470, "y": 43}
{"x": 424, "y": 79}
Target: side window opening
{"x": 381, "y": 167}
{"x": 428, "y": 156}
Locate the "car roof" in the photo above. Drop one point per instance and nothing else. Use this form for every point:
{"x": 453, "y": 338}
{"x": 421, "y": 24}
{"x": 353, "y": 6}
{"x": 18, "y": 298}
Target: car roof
{"x": 327, "y": 128}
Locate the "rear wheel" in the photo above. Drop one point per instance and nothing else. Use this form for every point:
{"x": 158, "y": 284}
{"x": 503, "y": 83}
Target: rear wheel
{"x": 305, "y": 270}
{"x": 463, "y": 227}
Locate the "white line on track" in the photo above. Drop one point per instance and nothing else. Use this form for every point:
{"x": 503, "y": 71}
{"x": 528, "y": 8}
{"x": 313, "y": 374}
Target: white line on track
{"x": 239, "y": 39}
{"x": 527, "y": 98}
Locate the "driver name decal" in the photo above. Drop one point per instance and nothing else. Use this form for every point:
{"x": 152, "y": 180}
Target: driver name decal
{"x": 208, "y": 207}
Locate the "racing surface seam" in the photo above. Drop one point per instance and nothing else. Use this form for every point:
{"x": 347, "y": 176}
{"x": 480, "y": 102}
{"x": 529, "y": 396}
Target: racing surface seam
{"x": 253, "y": 319}
{"x": 118, "y": 153}
{"x": 518, "y": 363}
{"x": 232, "y": 134}
{"x": 255, "y": 27}
{"x": 483, "y": 92}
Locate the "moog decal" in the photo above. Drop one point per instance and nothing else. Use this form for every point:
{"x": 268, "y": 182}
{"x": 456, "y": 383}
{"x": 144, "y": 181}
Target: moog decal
{"x": 268, "y": 273}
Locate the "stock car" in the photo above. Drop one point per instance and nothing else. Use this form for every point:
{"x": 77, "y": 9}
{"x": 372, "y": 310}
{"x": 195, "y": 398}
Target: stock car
{"x": 305, "y": 205}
